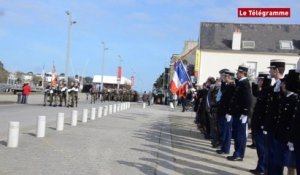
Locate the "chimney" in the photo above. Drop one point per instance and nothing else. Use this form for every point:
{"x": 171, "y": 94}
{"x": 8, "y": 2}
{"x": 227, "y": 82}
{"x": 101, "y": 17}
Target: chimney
{"x": 236, "y": 39}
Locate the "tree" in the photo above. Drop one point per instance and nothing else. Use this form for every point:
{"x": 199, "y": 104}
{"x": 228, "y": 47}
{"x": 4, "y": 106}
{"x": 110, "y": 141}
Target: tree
{"x": 3, "y": 73}
{"x": 87, "y": 80}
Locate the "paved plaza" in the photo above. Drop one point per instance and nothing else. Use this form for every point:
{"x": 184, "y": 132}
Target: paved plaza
{"x": 156, "y": 140}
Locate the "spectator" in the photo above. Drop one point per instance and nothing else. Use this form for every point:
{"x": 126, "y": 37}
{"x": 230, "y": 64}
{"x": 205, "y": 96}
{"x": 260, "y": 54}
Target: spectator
{"x": 25, "y": 93}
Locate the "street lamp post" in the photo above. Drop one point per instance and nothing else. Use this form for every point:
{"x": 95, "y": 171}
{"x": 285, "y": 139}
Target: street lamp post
{"x": 70, "y": 23}
{"x": 119, "y": 80}
{"x": 102, "y": 66}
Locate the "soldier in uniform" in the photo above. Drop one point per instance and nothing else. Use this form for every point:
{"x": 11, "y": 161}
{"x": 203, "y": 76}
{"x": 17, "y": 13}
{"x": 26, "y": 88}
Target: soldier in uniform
{"x": 93, "y": 94}
{"x": 71, "y": 95}
{"x": 260, "y": 91}
{"x": 239, "y": 109}
{"x": 226, "y": 121}
{"x": 277, "y": 68}
{"x": 46, "y": 94}
{"x": 76, "y": 90}
{"x": 63, "y": 93}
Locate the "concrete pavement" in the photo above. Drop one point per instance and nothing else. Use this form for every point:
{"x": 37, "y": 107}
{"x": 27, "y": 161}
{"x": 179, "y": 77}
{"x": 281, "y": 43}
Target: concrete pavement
{"x": 153, "y": 141}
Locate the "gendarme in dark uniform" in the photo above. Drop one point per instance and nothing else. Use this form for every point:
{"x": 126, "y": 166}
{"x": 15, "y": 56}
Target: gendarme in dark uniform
{"x": 277, "y": 68}
{"x": 260, "y": 90}
{"x": 239, "y": 109}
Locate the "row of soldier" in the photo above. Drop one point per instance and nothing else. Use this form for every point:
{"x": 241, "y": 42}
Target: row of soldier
{"x": 223, "y": 108}
{"x": 61, "y": 95}
{"x": 110, "y": 94}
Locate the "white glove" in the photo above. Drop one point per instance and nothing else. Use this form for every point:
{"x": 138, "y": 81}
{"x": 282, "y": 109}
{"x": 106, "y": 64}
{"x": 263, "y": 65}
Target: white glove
{"x": 243, "y": 118}
{"x": 51, "y": 91}
{"x": 265, "y": 132}
{"x": 291, "y": 146}
{"x": 228, "y": 117}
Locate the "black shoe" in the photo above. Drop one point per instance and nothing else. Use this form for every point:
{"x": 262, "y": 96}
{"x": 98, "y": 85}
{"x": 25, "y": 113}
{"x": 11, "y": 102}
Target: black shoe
{"x": 220, "y": 151}
{"x": 252, "y": 146}
{"x": 232, "y": 158}
{"x": 216, "y": 145}
{"x": 256, "y": 172}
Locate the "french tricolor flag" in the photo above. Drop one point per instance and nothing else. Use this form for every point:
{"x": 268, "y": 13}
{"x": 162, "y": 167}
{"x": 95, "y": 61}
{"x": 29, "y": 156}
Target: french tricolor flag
{"x": 180, "y": 77}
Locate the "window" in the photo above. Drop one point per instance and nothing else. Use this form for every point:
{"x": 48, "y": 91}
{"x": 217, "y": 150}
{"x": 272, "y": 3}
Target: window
{"x": 248, "y": 44}
{"x": 286, "y": 44}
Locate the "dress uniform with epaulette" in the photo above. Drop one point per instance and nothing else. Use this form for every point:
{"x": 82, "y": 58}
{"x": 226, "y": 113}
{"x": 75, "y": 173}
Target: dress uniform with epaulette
{"x": 239, "y": 109}
{"x": 260, "y": 91}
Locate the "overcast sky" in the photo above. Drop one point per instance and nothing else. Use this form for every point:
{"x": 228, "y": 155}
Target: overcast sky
{"x": 145, "y": 33}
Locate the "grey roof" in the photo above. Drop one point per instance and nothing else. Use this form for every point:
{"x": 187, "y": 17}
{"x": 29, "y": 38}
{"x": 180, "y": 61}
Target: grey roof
{"x": 218, "y": 36}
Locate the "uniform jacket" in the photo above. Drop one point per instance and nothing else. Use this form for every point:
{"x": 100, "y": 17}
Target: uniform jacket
{"x": 227, "y": 93}
{"x": 272, "y": 112}
{"x": 240, "y": 103}
{"x": 282, "y": 130}
{"x": 259, "y": 110}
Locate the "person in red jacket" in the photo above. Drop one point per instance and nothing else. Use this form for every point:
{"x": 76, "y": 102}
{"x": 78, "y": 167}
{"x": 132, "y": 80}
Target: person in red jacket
{"x": 25, "y": 93}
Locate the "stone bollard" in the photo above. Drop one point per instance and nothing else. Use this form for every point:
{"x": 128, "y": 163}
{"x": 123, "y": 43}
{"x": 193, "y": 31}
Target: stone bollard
{"x": 85, "y": 115}
{"x": 13, "y": 135}
{"x": 118, "y": 107}
{"x": 93, "y": 114}
{"x": 105, "y": 110}
{"x": 110, "y": 110}
{"x": 41, "y": 126}
{"x": 60, "y": 122}
{"x": 115, "y": 108}
{"x": 100, "y": 110}
{"x": 171, "y": 105}
{"x": 122, "y": 106}
{"x": 74, "y": 118}
{"x": 144, "y": 105}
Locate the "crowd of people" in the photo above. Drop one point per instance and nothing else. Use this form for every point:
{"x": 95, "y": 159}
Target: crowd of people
{"x": 224, "y": 106}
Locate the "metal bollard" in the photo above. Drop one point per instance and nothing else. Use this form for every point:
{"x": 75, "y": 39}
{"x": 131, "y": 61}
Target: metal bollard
{"x": 85, "y": 115}
{"x": 100, "y": 112}
{"x": 74, "y": 118}
{"x": 144, "y": 105}
{"x": 60, "y": 122}
{"x": 13, "y": 134}
{"x": 93, "y": 114}
{"x": 41, "y": 126}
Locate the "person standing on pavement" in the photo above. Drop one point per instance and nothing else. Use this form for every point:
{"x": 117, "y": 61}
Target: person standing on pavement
{"x": 226, "y": 120}
{"x": 25, "y": 93}
{"x": 277, "y": 68}
{"x": 260, "y": 91}
{"x": 284, "y": 148}
{"x": 239, "y": 109}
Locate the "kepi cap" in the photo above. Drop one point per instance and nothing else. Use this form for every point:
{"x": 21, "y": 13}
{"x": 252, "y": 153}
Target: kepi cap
{"x": 228, "y": 72}
{"x": 243, "y": 69}
{"x": 277, "y": 63}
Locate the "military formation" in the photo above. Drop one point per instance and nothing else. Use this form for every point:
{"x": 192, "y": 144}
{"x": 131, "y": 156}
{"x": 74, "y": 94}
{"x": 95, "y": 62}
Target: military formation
{"x": 58, "y": 94}
{"x": 224, "y": 107}
{"x": 61, "y": 95}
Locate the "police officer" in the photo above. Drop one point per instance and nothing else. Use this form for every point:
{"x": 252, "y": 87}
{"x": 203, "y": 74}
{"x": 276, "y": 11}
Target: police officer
{"x": 226, "y": 121}
{"x": 239, "y": 109}
{"x": 277, "y": 68}
{"x": 260, "y": 90}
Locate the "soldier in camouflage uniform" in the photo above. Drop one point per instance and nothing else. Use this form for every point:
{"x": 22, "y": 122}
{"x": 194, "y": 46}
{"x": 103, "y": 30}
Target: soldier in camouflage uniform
{"x": 46, "y": 94}
{"x": 93, "y": 94}
{"x": 71, "y": 95}
{"x": 63, "y": 94}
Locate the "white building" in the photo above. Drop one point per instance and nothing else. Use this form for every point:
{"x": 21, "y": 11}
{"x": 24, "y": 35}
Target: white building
{"x": 111, "y": 81}
{"x": 228, "y": 45}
